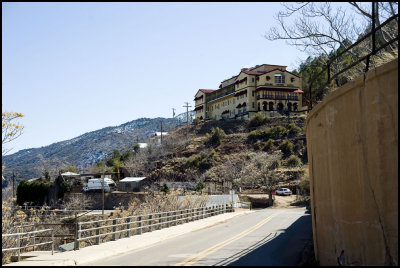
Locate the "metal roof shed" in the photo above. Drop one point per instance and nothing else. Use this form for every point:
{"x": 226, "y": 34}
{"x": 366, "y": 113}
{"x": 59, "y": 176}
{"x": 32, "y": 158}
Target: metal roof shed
{"x": 130, "y": 184}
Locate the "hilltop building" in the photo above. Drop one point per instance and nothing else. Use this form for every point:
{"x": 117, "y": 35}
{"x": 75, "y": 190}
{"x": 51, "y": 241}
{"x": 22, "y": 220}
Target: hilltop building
{"x": 265, "y": 89}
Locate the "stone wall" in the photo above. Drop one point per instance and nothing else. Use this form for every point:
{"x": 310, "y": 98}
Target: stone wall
{"x": 352, "y": 142}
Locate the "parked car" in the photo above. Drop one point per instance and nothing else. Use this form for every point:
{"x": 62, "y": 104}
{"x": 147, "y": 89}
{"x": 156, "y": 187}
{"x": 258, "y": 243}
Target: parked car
{"x": 283, "y": 191}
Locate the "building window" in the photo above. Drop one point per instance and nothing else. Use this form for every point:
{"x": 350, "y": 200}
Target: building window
{"x": 252, "y": 93}
{"x": 279, "y": 78}
{"x": 233, "y": 101}
{"x": 252, "y": 79}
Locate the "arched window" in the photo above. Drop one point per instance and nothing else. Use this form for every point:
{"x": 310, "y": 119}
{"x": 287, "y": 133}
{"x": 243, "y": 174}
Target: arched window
{"x": 279, "y": 107}
{"x": 264, "y": 105}
{"x": 271, "y": 106}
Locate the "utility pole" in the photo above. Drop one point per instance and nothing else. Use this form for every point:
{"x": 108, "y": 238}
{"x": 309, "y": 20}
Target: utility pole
{"x": 102, "y": 196}
{"x": 161, "y": 132}
{"x": 173, "y": 112}
{"x": 187, "y": 112}
{"x": 13, "y": 194}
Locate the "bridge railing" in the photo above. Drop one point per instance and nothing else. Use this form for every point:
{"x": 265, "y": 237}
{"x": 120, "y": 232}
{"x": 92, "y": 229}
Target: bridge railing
{"x": 25, "y": 240}
{"x": 95, "y": 232}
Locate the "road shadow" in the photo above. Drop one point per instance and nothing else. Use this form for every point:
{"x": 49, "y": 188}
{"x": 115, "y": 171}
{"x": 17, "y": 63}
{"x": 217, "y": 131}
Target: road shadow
{"x": 284, "y": 249}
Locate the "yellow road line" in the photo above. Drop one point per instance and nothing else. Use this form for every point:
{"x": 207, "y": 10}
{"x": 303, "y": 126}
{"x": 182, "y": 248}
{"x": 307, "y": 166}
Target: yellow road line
{"x": 204, "y": 253}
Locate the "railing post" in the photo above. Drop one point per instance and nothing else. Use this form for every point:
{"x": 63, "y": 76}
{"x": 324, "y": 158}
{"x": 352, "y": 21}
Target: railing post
{"x": 139, "y": 231}
{"x": 52, "y": 242}
{"x": 18, "y": 247}
{"x": 114, "y": 229}
{"x": 181, "y": 221}
{"x": 150, "y": 221}
{"x": 98, "y": 233}
{"x": 34, "y": 241}
{"x": 76, "y": 232}
{"x": 175, "y": 222}
{"x": 128, "y": 227}
{"x": 202, "y": 212}
{"x": 167, "y": 219}
{"x": 79, "y": 235}
{"x": 191, "y": 214}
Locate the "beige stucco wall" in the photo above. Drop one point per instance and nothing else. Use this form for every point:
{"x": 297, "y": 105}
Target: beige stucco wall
{"x": 353, "y": 153}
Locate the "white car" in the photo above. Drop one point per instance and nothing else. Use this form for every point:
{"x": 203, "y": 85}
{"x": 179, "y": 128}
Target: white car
{"x": 283, "y": 191}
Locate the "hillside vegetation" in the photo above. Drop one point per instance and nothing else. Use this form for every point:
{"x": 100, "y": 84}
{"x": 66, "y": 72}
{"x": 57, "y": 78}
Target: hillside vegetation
{"x": 225, "y": 152}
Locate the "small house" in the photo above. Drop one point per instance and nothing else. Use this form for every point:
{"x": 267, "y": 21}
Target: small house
{"x": 131, "y": 184}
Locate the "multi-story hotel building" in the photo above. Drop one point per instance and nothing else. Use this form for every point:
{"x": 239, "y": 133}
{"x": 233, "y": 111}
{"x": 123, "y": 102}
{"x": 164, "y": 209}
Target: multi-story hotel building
{"x": 265, "y": 89}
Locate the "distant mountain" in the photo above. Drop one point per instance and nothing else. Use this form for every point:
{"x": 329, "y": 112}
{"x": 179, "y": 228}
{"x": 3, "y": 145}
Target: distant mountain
{"x": 86, "y": 149}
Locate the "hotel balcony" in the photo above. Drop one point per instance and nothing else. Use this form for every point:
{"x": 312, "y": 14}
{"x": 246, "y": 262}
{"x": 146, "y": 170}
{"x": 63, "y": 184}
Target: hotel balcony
{"x": 271, "y": 97}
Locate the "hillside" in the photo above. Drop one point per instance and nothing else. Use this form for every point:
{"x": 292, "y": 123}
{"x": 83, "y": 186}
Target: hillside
{"x": 84, "y": 150}
{"x": 186, "y": 156}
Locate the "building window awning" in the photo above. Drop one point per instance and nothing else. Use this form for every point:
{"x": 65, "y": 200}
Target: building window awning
{"x": 239, "y": 105}
{"x": 199, "y": 108}
{"x": 243, "y": 104}
{"x": 198, "y": 98}
{"x": 299, "y": 91}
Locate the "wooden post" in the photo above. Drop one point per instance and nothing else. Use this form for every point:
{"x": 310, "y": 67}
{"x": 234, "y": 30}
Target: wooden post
{"x": 181, "y": 217}
{"x": 76, "y": 231}
{"x": 128, "y": 227}
{"x": 167, "y": 219}
{"x": 98, "y": 233}
{"x": 52, "y": 242}
{"x": 139, "y": 231}
{"x": 114, "y": 229}
{"x": 79, "y": 235}
{"x": 18, "y": 247}
{"x": 150, "y": 221}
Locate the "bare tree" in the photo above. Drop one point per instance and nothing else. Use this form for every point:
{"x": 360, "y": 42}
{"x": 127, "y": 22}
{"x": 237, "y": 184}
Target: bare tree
{"x": 318, "y": 28}
{"x": 261, "y": 170}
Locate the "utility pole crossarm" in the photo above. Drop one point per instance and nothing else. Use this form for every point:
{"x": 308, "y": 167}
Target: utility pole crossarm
{"x": 187, "y": 112}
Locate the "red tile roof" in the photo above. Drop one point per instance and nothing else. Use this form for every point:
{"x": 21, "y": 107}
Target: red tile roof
{"x": 253, "y": 72}
{"x": 207, "y": 90}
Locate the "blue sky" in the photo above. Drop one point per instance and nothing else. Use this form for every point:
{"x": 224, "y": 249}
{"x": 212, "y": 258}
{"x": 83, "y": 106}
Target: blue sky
{"x": 78, "y": 67}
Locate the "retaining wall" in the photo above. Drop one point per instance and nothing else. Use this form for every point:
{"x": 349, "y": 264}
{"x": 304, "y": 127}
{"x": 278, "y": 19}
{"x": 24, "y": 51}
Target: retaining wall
{"x": 352, "y": 142}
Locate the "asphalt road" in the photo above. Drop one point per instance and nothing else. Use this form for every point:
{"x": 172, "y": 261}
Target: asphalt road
{"x": 265, "y": 237}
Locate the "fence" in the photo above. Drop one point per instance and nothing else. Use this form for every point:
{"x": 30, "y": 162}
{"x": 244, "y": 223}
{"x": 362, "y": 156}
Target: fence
{"x": 125, "y": 226}
{"x": 372, "y": 33}
{"x": 26, "y": 236}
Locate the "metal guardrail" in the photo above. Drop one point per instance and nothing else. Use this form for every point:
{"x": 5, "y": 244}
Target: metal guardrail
{"x": 143, "y": 223}
{"x": 366, "y": 57}
{"x": 26, "y": 236}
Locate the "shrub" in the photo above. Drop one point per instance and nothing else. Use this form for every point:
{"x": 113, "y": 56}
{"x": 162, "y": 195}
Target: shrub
{"x": 196, "y": 121}
{"x": 64, "y": 188}
{"x": 214, "y": 138}
{"x": 286, "y": 147}
{"x": 202, "y": 161}
{"x": 258, "y": 120}
{"x": 269, "y": 145}
{"x": 200, "y": 186}
{"x": 293, "y": 161}
{"x": 293, "y": 130}
{"x": 207, "y": 161}
{"x": 34, "y": 192}
{"x": 164, "y": 188}
{"x": 256, "y": 135}
{"x": 278, "y": 132}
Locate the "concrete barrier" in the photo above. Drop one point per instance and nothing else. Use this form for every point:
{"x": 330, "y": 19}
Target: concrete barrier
{"x": 352, "y": 142}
